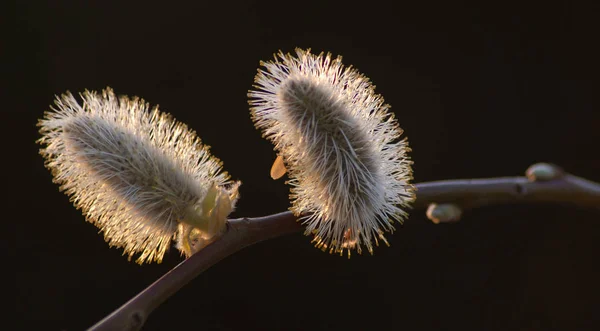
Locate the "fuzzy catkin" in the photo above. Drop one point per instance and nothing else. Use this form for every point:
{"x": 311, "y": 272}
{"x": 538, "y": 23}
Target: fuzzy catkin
{"x": 140, "y": 176}
{"x": 348, "y": 168}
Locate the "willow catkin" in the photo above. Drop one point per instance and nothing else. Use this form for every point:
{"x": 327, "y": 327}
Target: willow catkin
{"x": 349, "y": 171}
{"x": 140, "y": 176}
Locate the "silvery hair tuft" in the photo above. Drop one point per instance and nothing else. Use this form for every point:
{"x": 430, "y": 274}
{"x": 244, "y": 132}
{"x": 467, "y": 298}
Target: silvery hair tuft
{"x": 140, "y": 176}
{"x": 348, "y": 168}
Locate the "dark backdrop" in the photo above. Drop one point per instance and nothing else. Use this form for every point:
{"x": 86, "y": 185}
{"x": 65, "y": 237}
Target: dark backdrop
{"x": 480, "y": 91}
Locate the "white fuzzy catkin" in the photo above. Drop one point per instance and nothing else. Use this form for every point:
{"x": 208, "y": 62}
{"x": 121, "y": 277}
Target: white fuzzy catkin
{"x": 140, "y": 176}
{"x": 348, "y": 169}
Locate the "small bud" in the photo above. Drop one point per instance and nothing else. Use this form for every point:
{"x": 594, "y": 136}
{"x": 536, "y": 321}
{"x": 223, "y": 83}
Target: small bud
{"x": 443, "y": 213}
{"x": 278, "y": 169}
{"x": 347, "y": 165}
{"x": 543, "y": 172}
{"x": 141, "y": 177}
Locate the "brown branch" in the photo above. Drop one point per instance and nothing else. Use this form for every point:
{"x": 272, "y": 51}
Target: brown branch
{"x": 544, "y": 183}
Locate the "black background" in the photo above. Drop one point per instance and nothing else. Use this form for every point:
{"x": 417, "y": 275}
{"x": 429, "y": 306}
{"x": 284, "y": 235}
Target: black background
{"x": 481, "y": 91}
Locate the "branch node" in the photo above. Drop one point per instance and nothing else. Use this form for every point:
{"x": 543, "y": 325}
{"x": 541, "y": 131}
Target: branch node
{"x": 136, "y": 320}
{"x": 444, "y": 213}
{"x": 520, "y": 189}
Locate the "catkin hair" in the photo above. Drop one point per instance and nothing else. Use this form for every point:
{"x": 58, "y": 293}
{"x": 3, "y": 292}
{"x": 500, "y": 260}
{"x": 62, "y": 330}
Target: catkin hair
{"x": 134, "y": 173}
{"x": 348, "y": 168}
